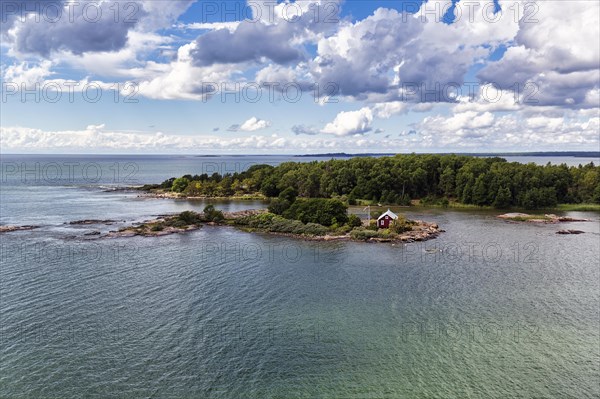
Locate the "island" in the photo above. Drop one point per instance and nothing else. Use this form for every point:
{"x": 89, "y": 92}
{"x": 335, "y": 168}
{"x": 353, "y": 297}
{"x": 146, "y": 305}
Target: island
{"x": 403, "y": 180}
{"x": 338, "y": 226}
{"x": 10, "y": 229}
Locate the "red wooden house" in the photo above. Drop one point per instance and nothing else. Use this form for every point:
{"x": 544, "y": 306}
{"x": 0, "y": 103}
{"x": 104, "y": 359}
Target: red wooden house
{"x": 384, "y": 221}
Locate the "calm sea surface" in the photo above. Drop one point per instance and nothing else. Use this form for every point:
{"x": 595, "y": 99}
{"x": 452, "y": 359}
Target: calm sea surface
{"x": 490, "y": 309}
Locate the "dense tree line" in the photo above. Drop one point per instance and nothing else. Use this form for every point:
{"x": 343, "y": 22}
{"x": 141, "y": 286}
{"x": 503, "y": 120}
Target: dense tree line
{"x": 400, "y": 178}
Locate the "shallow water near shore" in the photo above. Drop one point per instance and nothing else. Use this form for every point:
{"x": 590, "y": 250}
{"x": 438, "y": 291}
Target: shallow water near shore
{"x": 490, "y": 309}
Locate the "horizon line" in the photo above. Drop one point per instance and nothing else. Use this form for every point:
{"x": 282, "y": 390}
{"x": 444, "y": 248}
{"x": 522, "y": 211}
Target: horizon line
{"x": 324, "y": 154}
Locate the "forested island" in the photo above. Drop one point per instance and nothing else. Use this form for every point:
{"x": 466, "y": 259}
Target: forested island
{"x": 426, "y": 179}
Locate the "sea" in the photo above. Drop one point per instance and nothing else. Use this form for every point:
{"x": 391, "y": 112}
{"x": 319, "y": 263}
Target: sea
{"x": 489, "y": 309}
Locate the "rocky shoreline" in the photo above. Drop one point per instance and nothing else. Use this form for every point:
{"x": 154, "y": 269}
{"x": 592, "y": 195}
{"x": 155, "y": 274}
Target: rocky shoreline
{"x": 165, "y": 225}
{"x": 179, "y": 196}
{"x": 10, "y": 229}
{"x": 546, "y": 218}
{"x": 421, "y": 231}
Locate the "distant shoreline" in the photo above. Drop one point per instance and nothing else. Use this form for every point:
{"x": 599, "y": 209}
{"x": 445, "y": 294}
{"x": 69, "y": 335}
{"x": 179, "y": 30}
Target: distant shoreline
{"x": 574, "y": 154}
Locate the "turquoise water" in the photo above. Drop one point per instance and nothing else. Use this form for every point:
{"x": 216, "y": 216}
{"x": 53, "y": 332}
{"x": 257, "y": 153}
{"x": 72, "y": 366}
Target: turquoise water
{"x": 491, "y": 309}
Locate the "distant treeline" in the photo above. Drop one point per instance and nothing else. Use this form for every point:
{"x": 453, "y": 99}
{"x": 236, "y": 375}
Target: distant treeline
{"x": 577, "y": 154}
{"x": 400, "y": 178}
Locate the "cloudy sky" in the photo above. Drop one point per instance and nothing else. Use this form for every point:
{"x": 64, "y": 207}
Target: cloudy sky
{"x": 256, "y": 76}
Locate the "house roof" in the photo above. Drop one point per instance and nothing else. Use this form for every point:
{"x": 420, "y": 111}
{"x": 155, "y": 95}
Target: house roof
{"x": 388, "y": 213}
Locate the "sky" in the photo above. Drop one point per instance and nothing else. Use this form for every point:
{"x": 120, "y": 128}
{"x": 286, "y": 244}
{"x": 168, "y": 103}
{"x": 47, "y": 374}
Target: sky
{"x": 299, "y": 77}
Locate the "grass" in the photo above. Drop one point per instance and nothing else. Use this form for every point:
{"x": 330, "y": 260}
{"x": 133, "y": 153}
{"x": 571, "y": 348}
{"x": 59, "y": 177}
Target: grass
{"x": 417, "y": 204}
{"x": 458, "y": 205}
{"x": 579, "y": 207}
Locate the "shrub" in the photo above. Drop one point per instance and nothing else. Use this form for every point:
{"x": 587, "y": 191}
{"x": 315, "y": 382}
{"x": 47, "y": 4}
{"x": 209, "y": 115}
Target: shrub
{"x": 212, "y": 215}
{"x": 157, "y": 227}
{"x": 179, "y": 223}
{"x": 278, "y": 206}
{"x": 278, "y": 224}
{"x": 354, "y": 221}
{"x": 363, "y": 234}
{"x": 372, "y": 225}
{"x": 403, "y": 200}
{"x": 189, "y": 217}
{"x": 401, "y": 225}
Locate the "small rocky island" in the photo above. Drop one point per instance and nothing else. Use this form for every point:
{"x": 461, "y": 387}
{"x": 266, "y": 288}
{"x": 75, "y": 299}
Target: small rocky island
{"x": 546, "y": 218}
{"x": 263, "y": 221}
{"x": 10, "y": 229}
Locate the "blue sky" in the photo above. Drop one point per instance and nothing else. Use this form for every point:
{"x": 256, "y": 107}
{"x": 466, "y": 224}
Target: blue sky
{"x": 404, "y": 76}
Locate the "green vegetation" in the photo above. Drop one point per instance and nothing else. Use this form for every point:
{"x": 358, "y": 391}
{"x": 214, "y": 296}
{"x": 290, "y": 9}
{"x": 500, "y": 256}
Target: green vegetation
{"x": 526, "y": 218}
{"x": 579, "y": 207}
{"x": 354, "y": 221}
{"x": 438, "y": 180}
{"x": 278, "y": 224}
{"x": 401, "y": 225}
{"x": 212, "y": 215}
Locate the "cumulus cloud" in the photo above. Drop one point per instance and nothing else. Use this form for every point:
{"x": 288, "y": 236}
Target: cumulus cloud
{"x": 471, "y": 129}
{"x": 557, "y": 55}
{"x": 275, "y": 33}
{"x": 348, "y": 123}
{"x": 254, "y": 124}
{"x": 79, "y": 28}
{"x": 27, "y": 74}
{"x": 572, "y": 131}
{"x": 246, "y": 43}
{"x": 550, "y": 66}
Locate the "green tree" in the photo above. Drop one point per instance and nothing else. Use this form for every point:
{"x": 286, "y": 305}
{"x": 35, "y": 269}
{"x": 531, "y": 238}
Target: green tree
{"x": 447, "y": 181}
{"x": 479, "y": 196}
{"x": 180, "y": 184}
{"x": 278, "y": 206}
{"x": 503, "y": 198}
{"x": 269, "y": 187}
{"x": 289, "y": 195}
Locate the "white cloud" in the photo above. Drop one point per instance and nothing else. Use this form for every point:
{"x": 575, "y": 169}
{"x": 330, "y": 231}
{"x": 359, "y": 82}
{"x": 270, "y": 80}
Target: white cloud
{"x": 471, "y": 129}
{"x": 386, "y": 110}
{"x": 254, "y": 124}
{"x": 350, "y": 122}
{"x": 558, "y": 53}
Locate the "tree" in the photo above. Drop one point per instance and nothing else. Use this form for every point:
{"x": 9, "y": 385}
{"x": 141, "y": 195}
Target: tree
{"x": 447, "y": 181}
{"x": 503, "y": 198}
{"x": 278, "y": 206}
{"x": 318, "y": 210}
{"x": 180, "y": 184}
{"x": 479, "y": 191}
{"x": 269, "y": 187}
{"x": 397, "y": 179}
{"x": 289, "y": 195}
